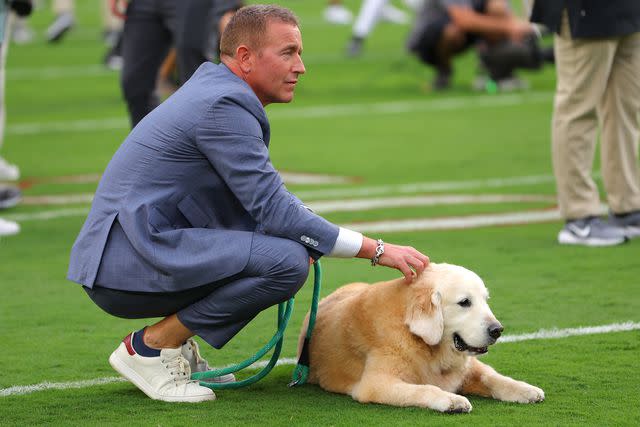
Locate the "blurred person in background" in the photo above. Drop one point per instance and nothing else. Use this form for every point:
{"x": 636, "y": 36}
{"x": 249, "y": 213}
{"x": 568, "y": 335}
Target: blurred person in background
{"x": 370, "y": 13}
{"x": 64, "y": 20}
{"x": 9, "y": 195}
{"x": 446, "y": 28}
{"x": 597, "y": 49}
{"x": 151, "y": 28}
{"x": 337, "y": 13}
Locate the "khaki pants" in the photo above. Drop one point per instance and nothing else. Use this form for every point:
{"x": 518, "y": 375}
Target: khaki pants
{"x": 598, "y": 83}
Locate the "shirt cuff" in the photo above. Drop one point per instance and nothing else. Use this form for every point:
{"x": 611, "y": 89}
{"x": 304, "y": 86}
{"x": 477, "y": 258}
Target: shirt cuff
{"x": 347, "y": 245}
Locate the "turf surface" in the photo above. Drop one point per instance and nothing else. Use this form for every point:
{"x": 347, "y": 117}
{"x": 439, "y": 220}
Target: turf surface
{"x": 373, "y": 119}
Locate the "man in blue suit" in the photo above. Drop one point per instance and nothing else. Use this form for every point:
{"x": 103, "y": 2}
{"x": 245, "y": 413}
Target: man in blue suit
{"x": 192, "y": 222}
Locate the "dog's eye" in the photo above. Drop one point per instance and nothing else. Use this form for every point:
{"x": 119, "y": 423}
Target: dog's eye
{"x": 465, "y": 302}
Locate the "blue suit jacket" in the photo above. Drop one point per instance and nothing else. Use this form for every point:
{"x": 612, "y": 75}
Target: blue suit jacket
{"x": 178, "y": 204}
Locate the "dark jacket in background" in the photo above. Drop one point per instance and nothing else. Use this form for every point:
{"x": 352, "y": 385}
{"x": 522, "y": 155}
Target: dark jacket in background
{"x": 590, "y": 18}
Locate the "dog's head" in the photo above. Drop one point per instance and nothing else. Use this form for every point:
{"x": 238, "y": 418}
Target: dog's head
{"x": 448, "y": 305}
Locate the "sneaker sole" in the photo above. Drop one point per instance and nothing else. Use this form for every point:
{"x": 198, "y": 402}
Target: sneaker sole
{"x": 125, "y": 370}
{"x": 566, "y": 238}
{"x": 631, "y": 232}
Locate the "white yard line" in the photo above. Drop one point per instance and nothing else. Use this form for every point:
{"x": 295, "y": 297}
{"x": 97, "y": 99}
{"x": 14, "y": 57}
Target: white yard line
{"x": 351, "y": 205}
{"x": 453, "y": 223}
{"x": 396, "y": 225}
{"x": 539, "y": 335}
{"x": 425, "y": 187}
{"x": 325, "y": 111}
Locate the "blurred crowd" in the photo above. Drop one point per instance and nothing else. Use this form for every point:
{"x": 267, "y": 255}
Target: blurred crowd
{"x": 156, "y": 45}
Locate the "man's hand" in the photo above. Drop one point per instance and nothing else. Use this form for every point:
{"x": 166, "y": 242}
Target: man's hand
{"x": 408, "y": 260}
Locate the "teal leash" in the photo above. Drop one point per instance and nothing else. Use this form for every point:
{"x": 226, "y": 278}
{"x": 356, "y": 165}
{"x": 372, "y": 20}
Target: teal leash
{"x": 301, "y": 371}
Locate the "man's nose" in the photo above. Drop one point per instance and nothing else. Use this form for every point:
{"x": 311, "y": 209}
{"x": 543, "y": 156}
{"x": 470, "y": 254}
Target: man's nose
{"x": 299, "y": 66}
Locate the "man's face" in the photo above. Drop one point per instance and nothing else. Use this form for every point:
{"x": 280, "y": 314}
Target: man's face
{"x": 277, "y": 64}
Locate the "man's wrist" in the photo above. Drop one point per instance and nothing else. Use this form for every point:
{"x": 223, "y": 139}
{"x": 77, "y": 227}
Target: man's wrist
{"x": 379, "y": 251}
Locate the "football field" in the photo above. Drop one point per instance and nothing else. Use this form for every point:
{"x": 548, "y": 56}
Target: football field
{"x": 463, "y": 176}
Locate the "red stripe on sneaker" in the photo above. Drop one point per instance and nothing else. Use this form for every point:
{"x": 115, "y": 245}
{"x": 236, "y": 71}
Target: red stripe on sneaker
{"x": 127, "y": 343}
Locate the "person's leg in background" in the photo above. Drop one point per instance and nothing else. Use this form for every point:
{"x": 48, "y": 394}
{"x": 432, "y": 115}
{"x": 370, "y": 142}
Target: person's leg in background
{"x": 64, "y": 21}
{"x": 9, "y": 195}
{"x": 336, "y": 13}
{"x": 112, "y": 34}
{"x": 148, "y": 35}
{"x": 618, "y": 112}
{"x": 368, "y": 16}
{"x": 583, "y": 68}
{"x": 194, "y": 24}
{"x": 371, "y": 12}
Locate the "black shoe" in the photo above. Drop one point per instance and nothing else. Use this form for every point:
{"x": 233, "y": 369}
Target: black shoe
{"x": 9, "y": 197}
{"x": 354, "y": 49}
{"x": 442, "y": 80}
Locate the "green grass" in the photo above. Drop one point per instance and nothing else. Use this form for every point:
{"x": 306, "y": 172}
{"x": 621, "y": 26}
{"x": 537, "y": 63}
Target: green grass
{"x": 51, "y": 332}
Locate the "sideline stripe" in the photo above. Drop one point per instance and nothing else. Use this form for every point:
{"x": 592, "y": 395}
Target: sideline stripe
{"x": 393, "y": 107}
{"x": 539, "y": 335}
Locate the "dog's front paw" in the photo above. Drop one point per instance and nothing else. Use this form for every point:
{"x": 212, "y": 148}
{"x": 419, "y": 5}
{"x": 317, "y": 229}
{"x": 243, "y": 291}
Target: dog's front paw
{"x": 453, "y": 404}
{"x": 527, "y": 393}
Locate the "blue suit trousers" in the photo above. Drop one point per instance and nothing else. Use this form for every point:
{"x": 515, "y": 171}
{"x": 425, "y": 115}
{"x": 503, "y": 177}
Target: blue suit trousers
{"x": 216, "y": 312}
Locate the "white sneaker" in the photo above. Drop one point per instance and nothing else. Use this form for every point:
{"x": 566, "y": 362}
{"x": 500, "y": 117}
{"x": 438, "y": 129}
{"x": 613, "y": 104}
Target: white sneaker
{"x": 591, "y": 231}
{"x": 8, "y": 172}
{"x": 338, "y": 14}
{"x": 166, "y": 377}
{"x": 22, "y": 34}
{"x": 191, "y": 352}
{"x": 8, "y": 228}
{"x": 392, "y": 14}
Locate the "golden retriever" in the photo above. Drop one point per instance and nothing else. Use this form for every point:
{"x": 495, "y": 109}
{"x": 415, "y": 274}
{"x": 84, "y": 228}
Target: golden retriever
{"x": 411, "y": 345}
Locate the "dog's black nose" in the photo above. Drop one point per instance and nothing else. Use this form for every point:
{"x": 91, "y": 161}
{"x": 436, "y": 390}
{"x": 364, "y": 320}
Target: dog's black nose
{"x": 495, "y": 330}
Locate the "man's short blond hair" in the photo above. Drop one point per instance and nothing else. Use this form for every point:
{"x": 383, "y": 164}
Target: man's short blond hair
{"x": 249, "y": 26}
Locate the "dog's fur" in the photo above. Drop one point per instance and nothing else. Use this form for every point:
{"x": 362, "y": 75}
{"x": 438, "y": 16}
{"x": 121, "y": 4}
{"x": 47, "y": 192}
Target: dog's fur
{"x": 394, "y": 343}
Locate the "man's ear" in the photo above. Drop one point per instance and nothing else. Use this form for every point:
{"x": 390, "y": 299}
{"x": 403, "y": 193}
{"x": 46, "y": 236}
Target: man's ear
{"x": 244, "y": 58}
{"x": 424, "y": 314}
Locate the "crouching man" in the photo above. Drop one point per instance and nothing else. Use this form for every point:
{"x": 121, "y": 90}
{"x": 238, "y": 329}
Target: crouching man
{"x": 191, "y": 222}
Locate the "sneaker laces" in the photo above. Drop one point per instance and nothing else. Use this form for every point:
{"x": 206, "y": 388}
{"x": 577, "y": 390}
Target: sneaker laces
{"x": 179, "y": 369}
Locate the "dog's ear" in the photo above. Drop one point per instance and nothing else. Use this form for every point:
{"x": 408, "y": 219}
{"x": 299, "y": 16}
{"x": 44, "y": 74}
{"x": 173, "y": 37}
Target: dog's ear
{"x": 424, "y": 314}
